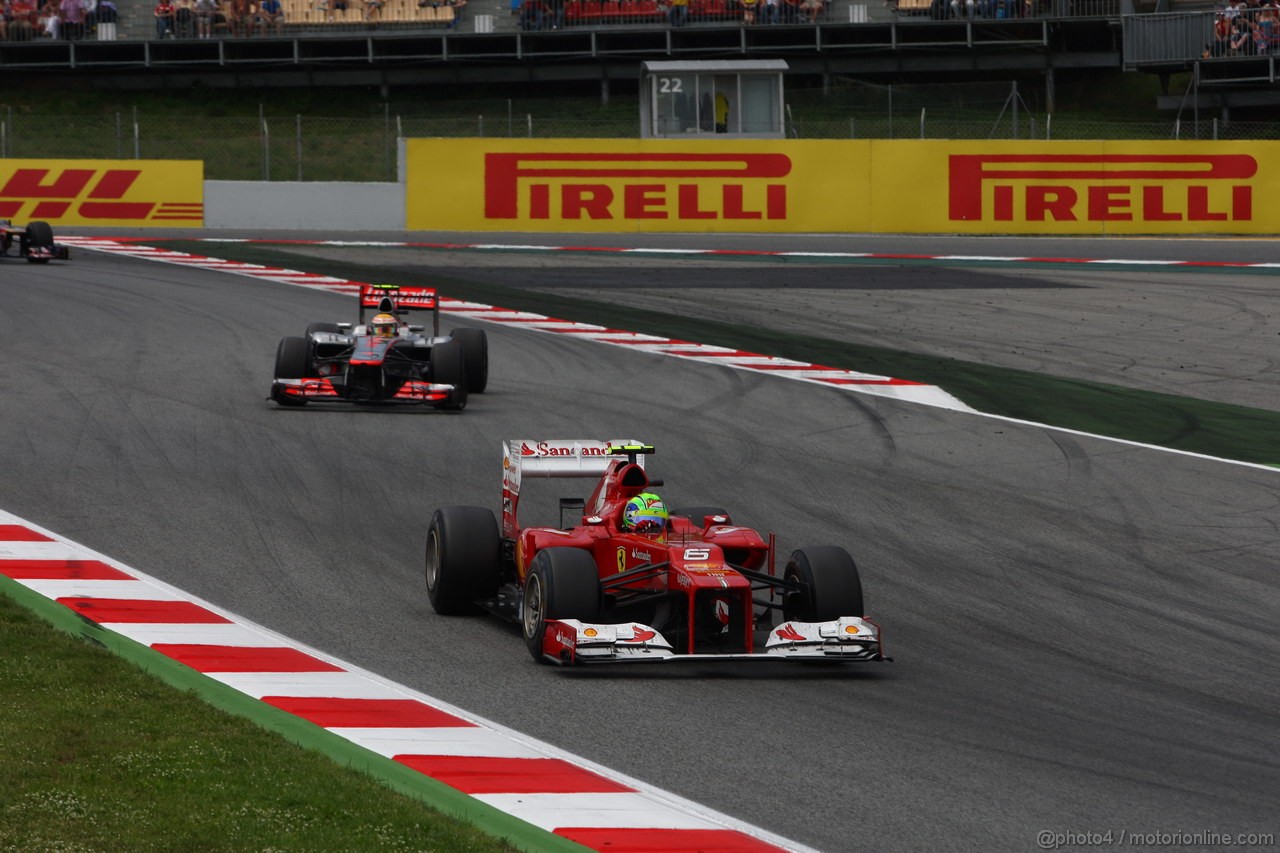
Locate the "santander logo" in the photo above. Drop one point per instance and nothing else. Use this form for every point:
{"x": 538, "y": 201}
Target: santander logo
{"x": 546, "y": 449}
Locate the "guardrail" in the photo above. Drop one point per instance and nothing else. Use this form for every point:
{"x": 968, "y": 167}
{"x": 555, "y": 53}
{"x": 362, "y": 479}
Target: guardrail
{"x": 1163, "y": 38}
{"x": 1158, "y": 39}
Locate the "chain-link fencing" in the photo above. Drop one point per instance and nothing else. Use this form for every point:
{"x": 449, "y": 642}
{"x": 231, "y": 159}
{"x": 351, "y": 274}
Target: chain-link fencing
{"x": 305, "y": 148}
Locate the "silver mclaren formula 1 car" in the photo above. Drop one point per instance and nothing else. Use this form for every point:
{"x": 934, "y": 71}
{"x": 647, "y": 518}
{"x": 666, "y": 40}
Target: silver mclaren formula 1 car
{"x": 382, "y": 358}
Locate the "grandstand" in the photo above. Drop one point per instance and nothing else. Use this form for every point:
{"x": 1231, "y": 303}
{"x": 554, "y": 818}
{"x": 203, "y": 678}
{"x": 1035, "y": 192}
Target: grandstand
{"x": 414, "y": 42}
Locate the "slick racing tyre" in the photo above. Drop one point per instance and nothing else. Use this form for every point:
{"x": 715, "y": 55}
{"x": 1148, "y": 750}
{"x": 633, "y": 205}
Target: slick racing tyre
{"x": 829, "y": 586}
{"x": 448, "y": 367}
{"x": 463, "y": 559}
{"x": 291, "y": 363}
{"x": 475, "y": 350}
{"x": 697, "y": 514}
{"x": 39, "y": 234}
{"x": 562, "y": 584}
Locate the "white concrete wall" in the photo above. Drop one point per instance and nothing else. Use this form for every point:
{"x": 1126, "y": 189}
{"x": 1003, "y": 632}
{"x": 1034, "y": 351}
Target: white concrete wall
{"x": 332, "y": 205}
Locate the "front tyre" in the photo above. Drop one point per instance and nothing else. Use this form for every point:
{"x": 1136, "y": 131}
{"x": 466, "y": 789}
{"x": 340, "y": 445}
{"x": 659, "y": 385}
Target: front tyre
{"x": 562, "y": 584}
{"x": 448, "y": 367}
{"x": 463, "y": 558}
{"x": 292, "y": 356}
{"x": 475, "y": 349}
{"x": 829, "y": 585}
{"x": 38, "y": 236}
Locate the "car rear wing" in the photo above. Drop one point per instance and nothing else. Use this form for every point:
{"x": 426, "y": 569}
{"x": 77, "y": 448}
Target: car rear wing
{"x": 528, "y": 457}
{"x": 399, "y": 299}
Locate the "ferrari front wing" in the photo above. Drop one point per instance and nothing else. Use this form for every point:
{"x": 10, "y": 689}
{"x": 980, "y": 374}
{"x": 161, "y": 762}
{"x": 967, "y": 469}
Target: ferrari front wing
{"x": 849, "y": 638}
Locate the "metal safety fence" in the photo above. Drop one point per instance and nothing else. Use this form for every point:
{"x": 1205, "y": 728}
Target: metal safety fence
{"x": 306, "y": 148}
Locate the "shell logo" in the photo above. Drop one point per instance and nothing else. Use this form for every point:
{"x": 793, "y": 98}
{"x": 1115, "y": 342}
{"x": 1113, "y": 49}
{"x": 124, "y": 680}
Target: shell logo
{"x": 851, "y": 629}
{"x": 590, "y": 632}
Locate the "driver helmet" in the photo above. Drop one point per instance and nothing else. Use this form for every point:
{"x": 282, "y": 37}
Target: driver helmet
{"x": 645, "y": 513}
{"x": 383, "y": 326}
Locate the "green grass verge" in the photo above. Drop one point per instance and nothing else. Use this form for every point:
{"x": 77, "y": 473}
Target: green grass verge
{"x": 111, "y": 746}
{"x": 1165, "y": 420}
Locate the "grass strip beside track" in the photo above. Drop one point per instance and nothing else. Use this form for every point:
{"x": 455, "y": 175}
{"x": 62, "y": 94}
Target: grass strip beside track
{"x": 1165, "y": 420}
{"x": 101, "y": 755}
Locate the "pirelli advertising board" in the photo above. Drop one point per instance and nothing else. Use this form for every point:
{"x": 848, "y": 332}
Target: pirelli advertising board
{"x": 897, "y": 186}
{"x": 138, "y": 193}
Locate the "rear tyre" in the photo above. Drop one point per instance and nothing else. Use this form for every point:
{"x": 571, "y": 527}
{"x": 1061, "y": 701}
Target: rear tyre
{"x": 448, "y": 367}
{"x": 829, "y": 585}
{"x": 562, "y": 584}
{"x": 475, "y": 349}
{"x": 463, "y": 558}
{"x": 291, "y": 363}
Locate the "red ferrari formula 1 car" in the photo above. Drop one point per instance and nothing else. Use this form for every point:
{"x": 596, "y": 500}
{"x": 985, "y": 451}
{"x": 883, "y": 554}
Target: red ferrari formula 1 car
{"x": 694, "y": 587}
{"x": 35, "y": 242}
{"x": 383, "y": 359}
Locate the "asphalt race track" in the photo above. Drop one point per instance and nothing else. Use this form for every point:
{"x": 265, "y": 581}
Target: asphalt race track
{"x": 1084, "y": 630}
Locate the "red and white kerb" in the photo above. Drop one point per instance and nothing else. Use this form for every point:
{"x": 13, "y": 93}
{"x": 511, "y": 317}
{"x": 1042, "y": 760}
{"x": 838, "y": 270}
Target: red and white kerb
{"x": 852, "y": 380}
{"x": 530, "y": 780}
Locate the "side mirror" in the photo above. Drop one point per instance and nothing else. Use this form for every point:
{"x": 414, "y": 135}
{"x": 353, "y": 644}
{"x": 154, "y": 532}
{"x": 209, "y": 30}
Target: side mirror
{"x": 573, "y": 506}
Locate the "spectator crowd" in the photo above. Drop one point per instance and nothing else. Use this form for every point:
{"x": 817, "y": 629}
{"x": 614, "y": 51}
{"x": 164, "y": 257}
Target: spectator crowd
{"x": 557, "y": 14}
{"x": 1245, "y": 28}
{"x": 27, "y": 20}
{"x": 202, "y": 19}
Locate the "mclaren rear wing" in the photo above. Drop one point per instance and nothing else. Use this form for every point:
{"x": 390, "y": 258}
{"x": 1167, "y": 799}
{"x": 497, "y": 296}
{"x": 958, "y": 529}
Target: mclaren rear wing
{"x": 399, "y": 299}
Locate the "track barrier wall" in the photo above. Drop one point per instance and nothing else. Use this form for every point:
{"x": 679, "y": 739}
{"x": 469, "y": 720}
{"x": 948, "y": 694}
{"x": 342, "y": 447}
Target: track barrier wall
{"x": 859, "y": 186}
{"x": 697, "y": 186}
{"x": 164, "y": 193}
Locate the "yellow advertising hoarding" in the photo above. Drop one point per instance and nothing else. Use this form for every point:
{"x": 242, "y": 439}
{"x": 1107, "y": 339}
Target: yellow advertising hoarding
{"x": 889, "y": 186}
{"x": 138, "y": 193}
{"x": 612, "y": 185}
{"x": 1075, "y": 187}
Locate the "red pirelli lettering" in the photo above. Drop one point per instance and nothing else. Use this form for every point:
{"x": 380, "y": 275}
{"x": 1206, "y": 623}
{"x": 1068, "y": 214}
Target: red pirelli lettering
{"x": 1112, "y": 187}
{"x": 635, "y": 186}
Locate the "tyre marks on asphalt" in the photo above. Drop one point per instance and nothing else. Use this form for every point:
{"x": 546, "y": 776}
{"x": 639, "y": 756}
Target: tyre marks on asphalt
{"x": 851, "y": 380}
